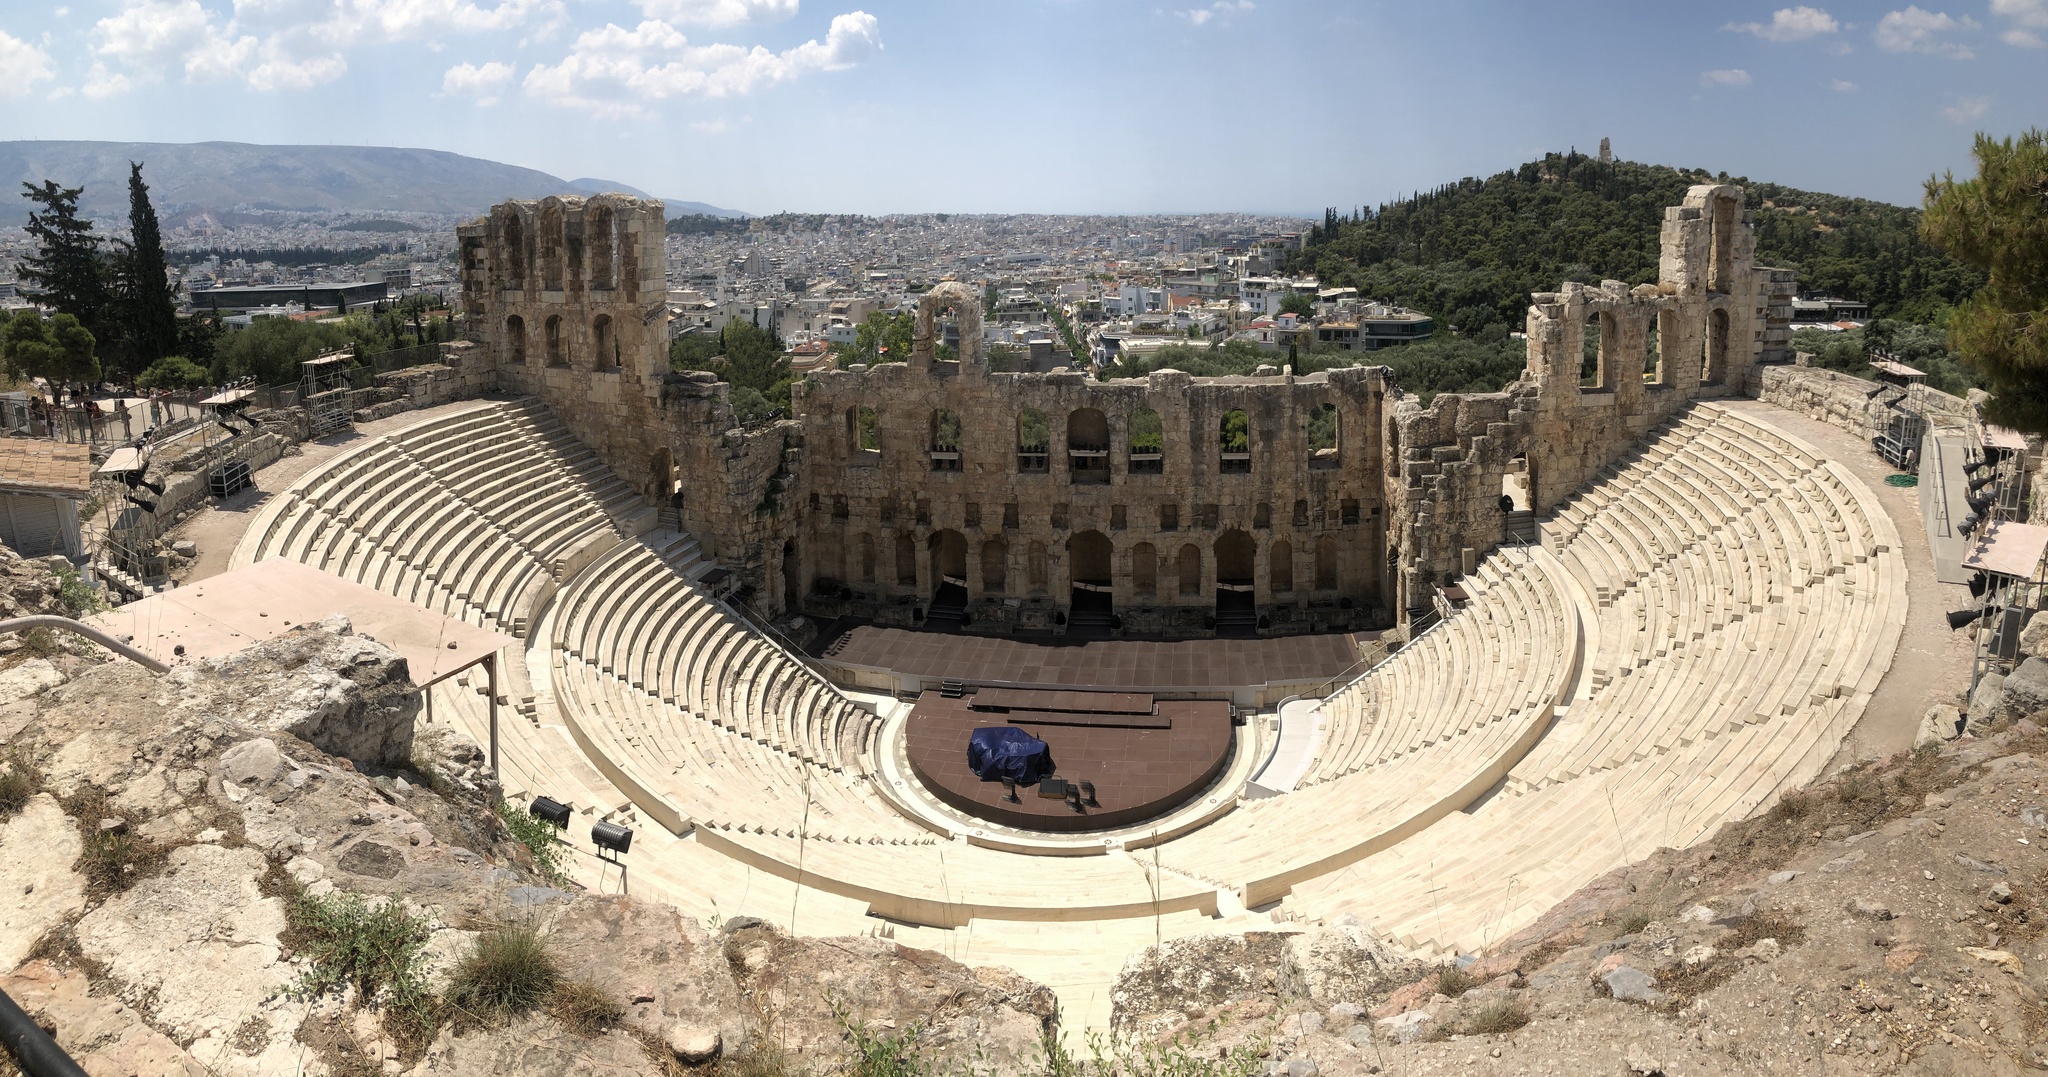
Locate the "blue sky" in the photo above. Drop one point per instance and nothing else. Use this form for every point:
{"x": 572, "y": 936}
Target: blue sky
{"x": 1047, "y": 105}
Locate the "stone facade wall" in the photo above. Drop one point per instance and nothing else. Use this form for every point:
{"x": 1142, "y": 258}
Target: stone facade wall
{"x": 1853, "y": 404}
{"x": 1024, "y": 526}
{"x": 566, "y": 298}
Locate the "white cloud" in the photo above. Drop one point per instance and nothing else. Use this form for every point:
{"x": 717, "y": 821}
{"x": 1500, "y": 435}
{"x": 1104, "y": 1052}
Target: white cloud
{"x": 710, "y": 127}
{"x": 1914, "y": 30}
{"x": 717, "y": 12}
{"x": 289, "y": 44}
{"x": 2029, "y": 17}
{"x": 1841, "y": 86}
{"x": 22, "y": 65}
{"x": 612, "y": 70}
{"x": 1728, "y": 77}
{"x": 101, "y": 83}
{"x": 483, "y": 83}
{"x": 1790, "y": 24}
{"x": 1967, "y": 110}
{"x": 1200, "y": 16}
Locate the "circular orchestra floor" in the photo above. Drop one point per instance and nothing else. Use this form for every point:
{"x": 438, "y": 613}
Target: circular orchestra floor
{"x": 1144, "y": 757}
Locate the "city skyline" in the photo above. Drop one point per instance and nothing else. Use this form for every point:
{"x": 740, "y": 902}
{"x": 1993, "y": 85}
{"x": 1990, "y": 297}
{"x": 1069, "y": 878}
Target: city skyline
{"x": 1051, "y": 106}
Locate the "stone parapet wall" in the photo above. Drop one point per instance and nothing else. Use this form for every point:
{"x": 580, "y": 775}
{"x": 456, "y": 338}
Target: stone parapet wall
{"x": 1853, "y": 404}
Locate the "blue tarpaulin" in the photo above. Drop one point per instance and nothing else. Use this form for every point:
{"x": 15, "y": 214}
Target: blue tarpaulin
{"x": 996, "y": 752}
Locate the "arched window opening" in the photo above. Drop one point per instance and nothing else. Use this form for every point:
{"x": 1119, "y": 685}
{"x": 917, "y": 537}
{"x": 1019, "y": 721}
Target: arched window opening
{"x": 1034, "y": 565}
{"x": 863, "y": 432}
{"x": 1322, "y": 434}
{"x": 512, "y": 255}
{"x": 557, "y": 349}
{"x": 1715, "y": 371}
{"x": 1090, "y": 557}
{"x": 1237, "y": 611}
{"x": 995, "y": 566}
{"x": 1034, "y": 441}
{"x": 1326, "y": 563}
{"x": 1088, "y": 446}
{"x": 1599, "y": 339}
{"x": 945, "y": 441}
{"x": 598, "y": 232}
{"x": 1721, "y": 245}
{"x": 1281, "y": 567}
{"x": 1234, "y": 442}
{"x": 1190, "y": 570}
{"x": 603, "y": 343}
{"x": 1144, "y": 570}
{"x": 948, "y": 569}
{"x": 551, "y": 239}
{"x": 1262, "y": 517}
{"x": 1662, "y": 333}
{"x": 867, "y": 558}
{"x": 792, "y": 577}
{"x": 906, "y": 560}
{"x": 1235, "y": 554}
{"x": 1148, "y": 443}
{"x": 515, "y": 339}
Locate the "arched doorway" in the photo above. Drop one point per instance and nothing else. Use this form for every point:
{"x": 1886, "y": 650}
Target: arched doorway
{"x": 1088, "y": 446}
{"x": 662, "y": 470}
{"x": 1090, "y": 610}
{"x": 1237, "y": 606}
{"x": 948, "y": 552}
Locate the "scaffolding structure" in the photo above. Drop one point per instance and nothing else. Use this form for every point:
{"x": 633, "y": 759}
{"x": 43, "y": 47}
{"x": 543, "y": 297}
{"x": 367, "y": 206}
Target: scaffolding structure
{"x": 324, "y": 387}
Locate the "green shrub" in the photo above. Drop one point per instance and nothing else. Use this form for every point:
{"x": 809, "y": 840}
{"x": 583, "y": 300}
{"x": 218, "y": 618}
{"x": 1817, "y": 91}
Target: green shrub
{"x": 1633, "y": 921}
{"x": 79, "y": 597}
{"x": 350, "y": 943}
{"x": 172, "y": 372}
{"x": 550, "y": 856}
{"x": 508, "y": 971}
{"x": 1496, "y": 1018}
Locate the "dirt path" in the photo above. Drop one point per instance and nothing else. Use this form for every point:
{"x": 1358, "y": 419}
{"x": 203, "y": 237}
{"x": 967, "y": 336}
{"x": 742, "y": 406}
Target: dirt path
{"x": 219, "y": 525}
{"x": 1932, "y": 664}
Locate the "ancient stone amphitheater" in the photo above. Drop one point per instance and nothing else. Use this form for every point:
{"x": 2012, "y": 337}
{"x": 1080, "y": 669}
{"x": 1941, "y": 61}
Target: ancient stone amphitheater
{"x": 1705, "y": 610}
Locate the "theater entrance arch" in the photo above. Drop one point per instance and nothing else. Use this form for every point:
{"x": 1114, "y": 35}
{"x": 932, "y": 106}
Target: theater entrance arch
{"x": 1090, "y": 607}
{"x": 948, "y": 552}
{"x": 1237, "y": 608}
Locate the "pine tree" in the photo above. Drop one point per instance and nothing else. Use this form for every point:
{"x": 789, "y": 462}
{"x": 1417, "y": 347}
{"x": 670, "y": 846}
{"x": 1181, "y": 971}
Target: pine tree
{"x": 67, "y": 268}
{"x": 1998, "y": 221}
{"x": 149, "y": 314}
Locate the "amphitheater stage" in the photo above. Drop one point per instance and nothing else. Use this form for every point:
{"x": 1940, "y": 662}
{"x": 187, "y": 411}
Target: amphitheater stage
{"x": 1144, "y": 757}
{"x": 1252, "y": 672}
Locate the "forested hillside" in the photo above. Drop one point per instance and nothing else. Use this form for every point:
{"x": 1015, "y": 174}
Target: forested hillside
{"x": 1470, "y": 253}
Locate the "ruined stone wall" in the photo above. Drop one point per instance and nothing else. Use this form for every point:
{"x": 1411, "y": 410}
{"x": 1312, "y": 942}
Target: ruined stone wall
{"x": 568, "y": 298}
{"x": 1713, "y": 316}
{"x": 881, "y": 526}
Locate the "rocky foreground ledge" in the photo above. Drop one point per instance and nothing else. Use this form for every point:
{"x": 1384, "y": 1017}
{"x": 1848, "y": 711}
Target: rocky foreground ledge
{"x": 256, "y": 866}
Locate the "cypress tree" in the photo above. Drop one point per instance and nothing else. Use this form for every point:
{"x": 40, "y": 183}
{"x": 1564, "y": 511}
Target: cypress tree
{"x": 151, "y": 317}
{"x": 66, "y": 267}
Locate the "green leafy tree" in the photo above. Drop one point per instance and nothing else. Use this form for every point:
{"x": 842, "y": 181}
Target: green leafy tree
{"x": 67, "y": 267}
{"x": 271, "y": 349}
{"x": 1299, "y": 304}
{"x": 148, "y": 312}
{"x": 172, "y": 372}
{"x": 882, "y": 337}
{"x": 57, "y": 348}
{"x": 1998, "y": 222}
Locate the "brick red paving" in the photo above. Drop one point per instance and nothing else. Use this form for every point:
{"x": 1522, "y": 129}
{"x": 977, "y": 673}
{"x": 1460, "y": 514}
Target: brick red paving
{"x": 1138, "y": 772}
{"x": 1184, "y": 665}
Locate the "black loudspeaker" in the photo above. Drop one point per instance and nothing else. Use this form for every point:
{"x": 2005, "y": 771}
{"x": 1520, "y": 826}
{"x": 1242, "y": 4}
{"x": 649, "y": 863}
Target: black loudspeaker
{"x": 1978, "y": 584}
{"x": 611, "y": 836}
{"x": 1959, "y": 618}
{"x": 554, "y": 811}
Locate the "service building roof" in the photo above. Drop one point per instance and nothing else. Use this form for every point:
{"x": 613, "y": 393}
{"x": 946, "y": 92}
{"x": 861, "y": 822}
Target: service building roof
{"x": 30, "y": 466}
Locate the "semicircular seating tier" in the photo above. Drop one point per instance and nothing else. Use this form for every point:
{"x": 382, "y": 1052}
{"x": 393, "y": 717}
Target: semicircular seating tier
{"x": 1745, "y": 596}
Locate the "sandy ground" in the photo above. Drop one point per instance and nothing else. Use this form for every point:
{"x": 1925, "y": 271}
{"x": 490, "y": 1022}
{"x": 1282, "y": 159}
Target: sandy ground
{"x": 218, "y": 526}
{"x": 1932, "y": 664}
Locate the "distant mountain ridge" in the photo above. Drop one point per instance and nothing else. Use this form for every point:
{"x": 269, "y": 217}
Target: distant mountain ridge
{"x": 240, "y": 176}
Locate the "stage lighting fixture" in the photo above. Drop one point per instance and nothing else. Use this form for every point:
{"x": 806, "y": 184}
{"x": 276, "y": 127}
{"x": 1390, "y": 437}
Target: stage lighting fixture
{"x": 1959, "y": 618}
{"x": 1981, "y": 482}
{"x": 147, "y": 506}
{"x": 1968, "y": 525}
{"x": 1978, "y": 505}
{"x": 611, "y": 836}
{"x": 554, "y": 811}
{"x": 1978, "y": 583}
